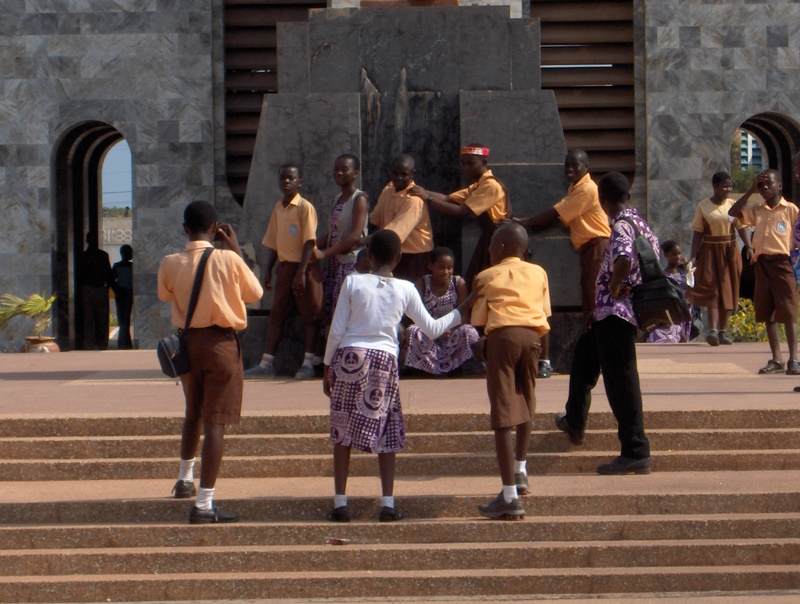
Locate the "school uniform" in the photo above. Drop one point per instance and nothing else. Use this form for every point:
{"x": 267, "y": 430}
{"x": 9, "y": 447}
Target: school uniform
{"x": 719, "y": 263}
{"x": 289, "y": 228}
{"x": 365, "y": 410}
{"x": 213, "y": 387}
{"x": 512, "y": 304}
{"x": 407, "y": 215}
{"x": 488, "y": 200}
{"x": 581, "y": 212}
{"x": 775, "y": 297}
{"x": 610, "y": 345}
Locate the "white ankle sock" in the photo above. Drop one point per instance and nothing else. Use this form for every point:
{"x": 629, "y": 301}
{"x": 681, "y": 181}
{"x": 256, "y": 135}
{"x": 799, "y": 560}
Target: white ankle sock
{"x": 205, "y": 499}
{"x": 387, "y": 502}
{"x": 266, "y": 360}
{"x": 509, "y": 492}
{"x": 316, "y": 360}
{"x": 521, "y": 466}
{"x": 187, "y": 470}
{"x": 308, "y": 360}
{"x": 339, "y": 501}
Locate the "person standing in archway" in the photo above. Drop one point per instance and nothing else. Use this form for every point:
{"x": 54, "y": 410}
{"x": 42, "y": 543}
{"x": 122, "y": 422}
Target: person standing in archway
{"x": 94, "y": 273}
{"x": 123, "y": 295}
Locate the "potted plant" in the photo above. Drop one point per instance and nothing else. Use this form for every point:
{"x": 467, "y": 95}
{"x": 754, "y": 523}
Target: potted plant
{"x": 37, "y": 307}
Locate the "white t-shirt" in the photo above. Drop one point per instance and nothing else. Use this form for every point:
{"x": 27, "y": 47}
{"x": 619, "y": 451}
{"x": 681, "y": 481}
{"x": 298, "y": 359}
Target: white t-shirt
{"x": 370, "y": 309}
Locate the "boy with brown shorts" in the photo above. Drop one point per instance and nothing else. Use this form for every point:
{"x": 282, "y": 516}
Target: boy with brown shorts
{"x": 775, "y": 297}
{"x": 213, "y": 386}
{"x": 290, "y": 239}
{"x": 512, "y": 303}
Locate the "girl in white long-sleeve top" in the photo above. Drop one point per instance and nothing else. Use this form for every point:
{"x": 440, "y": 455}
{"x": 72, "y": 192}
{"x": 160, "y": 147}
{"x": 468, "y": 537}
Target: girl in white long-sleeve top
{"x": 361, "y": 375}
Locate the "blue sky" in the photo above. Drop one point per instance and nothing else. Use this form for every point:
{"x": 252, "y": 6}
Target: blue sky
{"x": 117, "y": 177}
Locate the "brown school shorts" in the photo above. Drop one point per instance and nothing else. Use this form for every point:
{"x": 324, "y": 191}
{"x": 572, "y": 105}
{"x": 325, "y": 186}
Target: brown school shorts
{"x": 592, "y": 254}
{"x": 512, "y": 357}
{"x": 412, "y": 266}
{"x": 775, "y": 297}
{"x": 308, "y": 304}
{"x": 213, "y": 387}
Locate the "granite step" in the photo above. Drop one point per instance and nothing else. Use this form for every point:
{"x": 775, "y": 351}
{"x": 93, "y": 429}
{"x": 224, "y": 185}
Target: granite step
{"x": 255, "y": 557}
{"x": 415, "y": 506}
{"x": 446, "y": 530}
{"x": 170, "y": 425}
{"x": 243, "y": 445}
{"x": 464, "y": 464}
{"x": 363, "y": 583}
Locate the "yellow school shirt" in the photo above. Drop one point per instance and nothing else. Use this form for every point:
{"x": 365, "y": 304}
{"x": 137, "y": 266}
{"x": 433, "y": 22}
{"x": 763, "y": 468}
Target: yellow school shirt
{"x": 228, "y": 284}
{"x": 581, "y": 212}
{"x": 512, "y": 293}
{"x": 407, "y": 215}
{"x": 486, "y": 194}
{"x": 716, "y": 216}
{"x": 774, "y": 232}
{"x": 290, "y": 227}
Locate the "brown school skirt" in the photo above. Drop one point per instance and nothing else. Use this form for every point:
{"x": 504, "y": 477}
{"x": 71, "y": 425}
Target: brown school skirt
{"x": 412, "y": 266}
{"x": 716, "y": 281}
{"x": 775, "y": 298}
{"x": 213, "y": 387}
{"x": 512, "y": 357}
{"x": 309, "y": 304}
{"x": 592, "y": 254}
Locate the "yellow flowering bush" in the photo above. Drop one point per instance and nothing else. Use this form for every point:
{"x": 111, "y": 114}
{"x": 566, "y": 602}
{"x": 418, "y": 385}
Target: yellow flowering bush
{"x": 742, "y": 324}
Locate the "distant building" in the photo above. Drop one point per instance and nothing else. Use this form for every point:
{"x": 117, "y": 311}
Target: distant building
{"x": 750, "y": 151}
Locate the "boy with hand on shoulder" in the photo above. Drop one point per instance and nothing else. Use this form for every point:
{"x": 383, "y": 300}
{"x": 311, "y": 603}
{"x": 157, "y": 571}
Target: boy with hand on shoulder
{"x": 407, "y": 215}
{"x": 213, "y": 387}
{"x": 290, "y": 239}
{"x": 775, "y": 297}
{"x": 512, "y": 303}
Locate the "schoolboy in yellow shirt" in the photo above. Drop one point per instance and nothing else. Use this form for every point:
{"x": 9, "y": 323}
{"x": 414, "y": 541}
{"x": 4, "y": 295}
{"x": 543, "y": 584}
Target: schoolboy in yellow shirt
{"x": 512, "y": 304}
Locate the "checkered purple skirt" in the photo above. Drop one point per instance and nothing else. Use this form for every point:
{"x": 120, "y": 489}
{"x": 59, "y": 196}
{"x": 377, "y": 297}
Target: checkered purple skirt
{"x": 365, "y": 401}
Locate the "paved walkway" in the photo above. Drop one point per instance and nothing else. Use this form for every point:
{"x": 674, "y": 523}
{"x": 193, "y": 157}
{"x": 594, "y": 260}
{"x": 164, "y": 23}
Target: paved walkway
{"x": 674, "y": 376}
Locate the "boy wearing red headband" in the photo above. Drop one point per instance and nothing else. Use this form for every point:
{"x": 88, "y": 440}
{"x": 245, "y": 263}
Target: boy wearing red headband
{"x": 485, "y": 198}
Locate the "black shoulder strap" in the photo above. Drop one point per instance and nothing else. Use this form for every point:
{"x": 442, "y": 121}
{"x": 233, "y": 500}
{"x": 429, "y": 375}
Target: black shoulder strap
{"x": 198, "y": 281}
{"x": 649, "y": 265}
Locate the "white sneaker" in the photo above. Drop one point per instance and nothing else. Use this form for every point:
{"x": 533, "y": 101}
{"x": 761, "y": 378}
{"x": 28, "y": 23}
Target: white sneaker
{"x": 305, "y": 373}
{"x": 261, "y": 373}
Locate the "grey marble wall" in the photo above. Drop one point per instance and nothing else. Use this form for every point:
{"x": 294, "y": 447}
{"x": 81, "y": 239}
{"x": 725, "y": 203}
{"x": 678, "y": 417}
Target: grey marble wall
{"x": 147, "y": 68}
{"x": 708, "y": 67}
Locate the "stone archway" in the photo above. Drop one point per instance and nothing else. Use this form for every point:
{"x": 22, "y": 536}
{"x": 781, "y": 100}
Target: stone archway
{"x": 77, "y": 160}
{"x": 779, "y": 136}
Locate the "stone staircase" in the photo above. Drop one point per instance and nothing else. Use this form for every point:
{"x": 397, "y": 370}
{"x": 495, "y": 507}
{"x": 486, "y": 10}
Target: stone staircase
{"x": 87, "y": 517}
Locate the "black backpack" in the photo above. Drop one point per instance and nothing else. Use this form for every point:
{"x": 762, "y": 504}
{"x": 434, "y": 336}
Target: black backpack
{"x": 658, "y": 300}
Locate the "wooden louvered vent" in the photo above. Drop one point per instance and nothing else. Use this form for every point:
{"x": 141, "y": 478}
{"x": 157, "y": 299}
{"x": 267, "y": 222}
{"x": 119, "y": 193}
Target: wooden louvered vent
{"x": 587, "y": 60}
{"x": 251, "y": 70}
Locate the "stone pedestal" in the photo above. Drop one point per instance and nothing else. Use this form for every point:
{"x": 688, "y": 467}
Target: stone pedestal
{"x": 425, "y": 81}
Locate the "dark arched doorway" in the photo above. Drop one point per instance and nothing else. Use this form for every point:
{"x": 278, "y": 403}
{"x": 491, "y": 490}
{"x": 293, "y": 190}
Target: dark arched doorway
{"x": 779, "y": 137}
{"x": 76, "y": 166}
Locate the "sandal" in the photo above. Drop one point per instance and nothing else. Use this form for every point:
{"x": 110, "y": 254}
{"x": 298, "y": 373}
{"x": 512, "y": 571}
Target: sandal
{"x": 772, "y": 366}
{"x": 793, "y": 367}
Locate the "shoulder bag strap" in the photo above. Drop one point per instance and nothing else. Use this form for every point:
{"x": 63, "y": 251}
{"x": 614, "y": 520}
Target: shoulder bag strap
{"x": 198, "y": 281}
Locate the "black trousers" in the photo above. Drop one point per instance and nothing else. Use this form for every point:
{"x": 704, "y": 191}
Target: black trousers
{"x": 609, "y": 346}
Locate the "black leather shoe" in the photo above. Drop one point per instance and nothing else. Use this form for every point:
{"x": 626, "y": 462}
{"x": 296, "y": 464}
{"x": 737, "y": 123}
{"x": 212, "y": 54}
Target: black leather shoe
{"x": 625, "y": 465}
{"x": 389, "y": 514}
{"x": 340, "y": 514}
{"x": 212, "y": 516}
{"x": 184, "y": 489}
{"x": 576, "y": 437}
